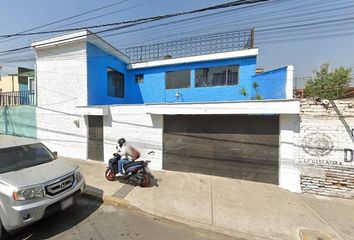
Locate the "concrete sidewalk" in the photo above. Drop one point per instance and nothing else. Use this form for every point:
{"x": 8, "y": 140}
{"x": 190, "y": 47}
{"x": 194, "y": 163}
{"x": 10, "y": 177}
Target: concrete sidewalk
{"x": 238, "y": 208}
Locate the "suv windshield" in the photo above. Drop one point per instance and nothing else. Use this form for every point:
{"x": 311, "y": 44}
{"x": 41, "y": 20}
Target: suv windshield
{"x": 19, "y": 157}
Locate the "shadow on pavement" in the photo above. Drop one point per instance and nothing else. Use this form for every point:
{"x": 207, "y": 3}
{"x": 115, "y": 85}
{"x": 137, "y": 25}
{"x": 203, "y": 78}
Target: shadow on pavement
{"x": 153, "y": 181}
{"x": 58, "y": 223}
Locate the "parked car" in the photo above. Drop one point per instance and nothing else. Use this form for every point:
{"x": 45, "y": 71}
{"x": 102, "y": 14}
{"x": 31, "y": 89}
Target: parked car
{"x": 33, "y": 183}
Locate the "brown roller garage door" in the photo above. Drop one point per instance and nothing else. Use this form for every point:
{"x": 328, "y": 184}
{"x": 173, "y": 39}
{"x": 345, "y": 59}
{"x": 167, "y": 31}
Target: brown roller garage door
{"x": 236, "y": 146}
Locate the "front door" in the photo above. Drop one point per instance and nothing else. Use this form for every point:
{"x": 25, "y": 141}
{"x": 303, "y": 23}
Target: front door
{"x": 95, "y": 138}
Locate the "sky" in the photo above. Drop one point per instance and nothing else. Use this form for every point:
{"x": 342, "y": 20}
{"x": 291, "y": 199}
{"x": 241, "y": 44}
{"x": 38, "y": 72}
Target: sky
{"x": 288, "y": 32}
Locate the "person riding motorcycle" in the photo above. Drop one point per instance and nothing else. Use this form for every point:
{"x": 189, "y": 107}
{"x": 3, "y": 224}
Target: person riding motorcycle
{"x": 128, "y": 154}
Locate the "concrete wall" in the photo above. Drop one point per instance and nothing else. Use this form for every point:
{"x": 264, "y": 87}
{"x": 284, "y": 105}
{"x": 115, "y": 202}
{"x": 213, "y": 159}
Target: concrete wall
{"x": 324, "y": 149}
{"x": 62, "y": 132}
{"x": 272, "y": 84}
{"x": 289, "y": 176}
{"x": 62, "y": 77}
{"x": 142, "y": 130}
{"x": 62, "y": 86}
{"x": 18, "y": 120}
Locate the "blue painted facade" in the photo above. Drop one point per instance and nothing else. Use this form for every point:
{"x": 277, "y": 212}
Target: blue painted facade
{"x": 271, "y": 84}
{"x": 153, "y": 88}
{"x": 97, "y": 63}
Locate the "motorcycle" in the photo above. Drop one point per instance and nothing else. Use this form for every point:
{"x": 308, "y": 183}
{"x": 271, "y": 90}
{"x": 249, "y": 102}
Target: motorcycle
{"x": 136, "y": 173}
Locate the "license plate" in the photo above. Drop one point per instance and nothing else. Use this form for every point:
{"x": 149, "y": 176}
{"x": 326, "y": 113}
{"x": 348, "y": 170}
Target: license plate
{"x": 67, "y": 203}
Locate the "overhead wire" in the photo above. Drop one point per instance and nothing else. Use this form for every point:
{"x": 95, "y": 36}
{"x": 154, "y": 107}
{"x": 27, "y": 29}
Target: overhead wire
{"x": 300, "y": 27}
{"x": 159, "y": 17}
{"x": 67, "y": 18}
{"x": 107, "y": 14}
{"x": 238, "y": 22}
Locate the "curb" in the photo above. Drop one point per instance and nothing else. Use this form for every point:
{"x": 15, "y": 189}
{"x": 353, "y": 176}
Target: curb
{"x": 116, "y": 201}
{"x": 98, "y": 195}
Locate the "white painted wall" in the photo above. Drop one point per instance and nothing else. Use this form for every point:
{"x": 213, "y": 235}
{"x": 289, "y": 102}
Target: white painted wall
{"x": 289, "y": 86}
{"x": 289, "y": 174}
{"x": 59, "y": 132}
{"x": 61, "y": 87}
{"x": 62, "y": 77}
{"x": 142, "y": 130}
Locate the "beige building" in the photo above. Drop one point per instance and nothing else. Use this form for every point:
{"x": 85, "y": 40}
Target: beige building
{"x": 22, "y": 81}
{"x": 9, "y": 84}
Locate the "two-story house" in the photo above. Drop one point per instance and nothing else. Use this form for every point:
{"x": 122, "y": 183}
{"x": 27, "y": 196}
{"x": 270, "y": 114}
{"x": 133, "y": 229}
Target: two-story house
{"x": 194, "y": 105}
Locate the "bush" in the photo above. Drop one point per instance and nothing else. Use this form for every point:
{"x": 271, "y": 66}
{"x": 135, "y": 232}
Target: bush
{"x": 328, "y": 84}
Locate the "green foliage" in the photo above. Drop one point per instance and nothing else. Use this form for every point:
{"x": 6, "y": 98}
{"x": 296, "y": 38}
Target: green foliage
{"x": 328, "y": 84}
{"x": 255, "y": 85}
{"x": 243, "y": 92}
{"x": 258, "y": 96}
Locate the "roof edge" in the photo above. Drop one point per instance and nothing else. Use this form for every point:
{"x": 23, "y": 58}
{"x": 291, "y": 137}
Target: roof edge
{"x": 206, "y": 57}
{"x": 81, "y": 36}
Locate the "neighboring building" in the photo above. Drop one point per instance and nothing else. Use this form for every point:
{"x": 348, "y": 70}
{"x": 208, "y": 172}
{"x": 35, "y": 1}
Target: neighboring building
{"x": 22, "y": 81}
{"x": 187, "y": 105}
{"x": 8, "y": 84}
{"x": 18, "y": 89}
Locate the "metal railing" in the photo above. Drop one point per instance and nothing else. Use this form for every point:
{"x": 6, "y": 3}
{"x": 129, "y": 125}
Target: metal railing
{"x": 193, "y": 46}
{"x": 17, "y": 98}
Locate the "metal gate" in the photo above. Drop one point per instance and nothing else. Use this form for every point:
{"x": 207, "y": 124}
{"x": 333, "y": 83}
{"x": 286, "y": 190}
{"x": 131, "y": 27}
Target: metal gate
{"x": 95, "y": 138}
{"x": 242, "y": 147}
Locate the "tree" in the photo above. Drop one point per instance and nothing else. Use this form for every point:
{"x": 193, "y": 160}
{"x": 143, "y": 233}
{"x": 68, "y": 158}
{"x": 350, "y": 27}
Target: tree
{"x": 328, "y": 84}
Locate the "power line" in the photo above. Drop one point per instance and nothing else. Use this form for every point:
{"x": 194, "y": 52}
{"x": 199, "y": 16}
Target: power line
{"x": 64, "y": 19}
{"x": 109, "y": 13}
{"x": 155, "y": 18}
{"x": 249, "y": 12}
{"x": 295, "y": 34}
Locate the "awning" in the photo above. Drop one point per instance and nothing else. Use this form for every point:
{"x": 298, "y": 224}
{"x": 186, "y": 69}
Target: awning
{"x": 241, "y": 107}
{"x": 93, "y": 110}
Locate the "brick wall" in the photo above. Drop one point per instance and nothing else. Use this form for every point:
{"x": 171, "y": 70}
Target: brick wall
{"x": 324, "y": 149}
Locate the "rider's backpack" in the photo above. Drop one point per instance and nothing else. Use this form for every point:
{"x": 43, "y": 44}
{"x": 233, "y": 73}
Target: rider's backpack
{"x": 135, "y": 153}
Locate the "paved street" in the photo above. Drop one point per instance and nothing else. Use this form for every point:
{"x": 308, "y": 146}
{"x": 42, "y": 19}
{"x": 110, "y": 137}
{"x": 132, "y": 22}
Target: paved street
{"x": 92, "y": 220}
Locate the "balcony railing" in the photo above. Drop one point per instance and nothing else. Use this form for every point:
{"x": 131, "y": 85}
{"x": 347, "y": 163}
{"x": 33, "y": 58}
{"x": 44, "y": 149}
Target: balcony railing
{"x": 17, "y": 98}
{"x": 193, "y": 46}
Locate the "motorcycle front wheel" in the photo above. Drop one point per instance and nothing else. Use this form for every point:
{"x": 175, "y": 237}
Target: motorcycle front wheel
{"x": 110, "y": 175}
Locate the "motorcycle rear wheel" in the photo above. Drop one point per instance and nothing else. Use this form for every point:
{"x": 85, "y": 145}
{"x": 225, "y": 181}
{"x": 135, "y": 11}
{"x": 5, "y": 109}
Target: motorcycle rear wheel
{"x": 146, "y": 181}
{"x": 110, "y": 175}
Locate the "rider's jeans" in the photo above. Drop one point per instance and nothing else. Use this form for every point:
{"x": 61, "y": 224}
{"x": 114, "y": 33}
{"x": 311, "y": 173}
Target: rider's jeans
{"x": 121, "y": 162}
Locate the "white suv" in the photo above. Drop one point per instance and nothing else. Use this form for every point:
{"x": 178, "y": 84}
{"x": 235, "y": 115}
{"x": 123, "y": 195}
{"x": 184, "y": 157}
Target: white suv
{"x": 33, "y": 184}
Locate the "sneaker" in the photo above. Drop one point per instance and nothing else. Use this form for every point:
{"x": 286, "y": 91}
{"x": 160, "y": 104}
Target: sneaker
{"x": 119, "y": 174}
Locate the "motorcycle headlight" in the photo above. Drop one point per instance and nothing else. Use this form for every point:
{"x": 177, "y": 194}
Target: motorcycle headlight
{"x": 78, "y": 175}
{"x": 29, "y": 193}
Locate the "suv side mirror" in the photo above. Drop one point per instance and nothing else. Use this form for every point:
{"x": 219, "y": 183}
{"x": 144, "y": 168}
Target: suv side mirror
{"x": 55, "y": 155}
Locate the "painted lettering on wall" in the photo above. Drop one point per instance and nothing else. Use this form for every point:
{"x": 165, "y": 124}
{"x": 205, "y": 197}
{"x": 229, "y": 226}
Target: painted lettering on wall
{"x": 322, "y": 162}
{"x": 348, "y": 155}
